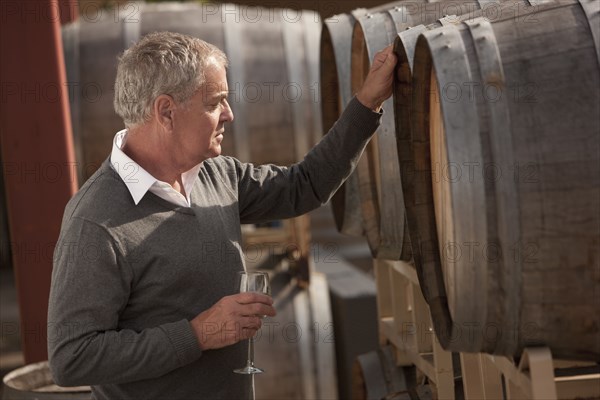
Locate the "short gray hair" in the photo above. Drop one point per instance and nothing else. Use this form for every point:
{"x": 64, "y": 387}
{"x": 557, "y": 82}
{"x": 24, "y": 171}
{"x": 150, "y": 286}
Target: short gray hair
{"x": 161, "y": 63}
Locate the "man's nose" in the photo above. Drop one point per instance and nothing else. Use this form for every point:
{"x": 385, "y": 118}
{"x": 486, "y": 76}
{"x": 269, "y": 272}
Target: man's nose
{"x": 227, "y": 115}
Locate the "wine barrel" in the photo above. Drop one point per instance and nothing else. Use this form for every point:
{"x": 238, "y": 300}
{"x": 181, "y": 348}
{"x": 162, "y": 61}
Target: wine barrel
{"x": 503, "y": 207}
{"x": 404, "y": 48}
{"x": 377, "y": 376}
{"x": 335, "y": 54}
{"x": 34, "y": 382}
{"x": 273, "y": 74}
{"x": 335, "y": 95}
{"x": 380, "y": 188}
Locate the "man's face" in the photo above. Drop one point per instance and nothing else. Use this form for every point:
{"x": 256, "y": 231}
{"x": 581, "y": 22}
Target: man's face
{"x": 199, "y": 123}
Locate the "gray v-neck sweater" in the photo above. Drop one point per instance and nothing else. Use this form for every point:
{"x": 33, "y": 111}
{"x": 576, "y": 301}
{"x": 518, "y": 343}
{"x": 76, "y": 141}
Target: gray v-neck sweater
{"x": 128, "y": 278}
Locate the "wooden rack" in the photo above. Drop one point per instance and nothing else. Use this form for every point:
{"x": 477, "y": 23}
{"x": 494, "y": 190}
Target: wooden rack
{"x": 405, "y": 323}
{"x": 537, "y": 377}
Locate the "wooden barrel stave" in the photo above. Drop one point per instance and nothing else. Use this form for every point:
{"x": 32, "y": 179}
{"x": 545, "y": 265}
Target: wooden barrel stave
{"x": 568, "y": 252}
{"x": 97, "y": 68}
{"x": 548, "y": 215}
{"x": 335, "y": 54}
{"x": 313, "y": 37}
{"x": 275, "y": 117}
{"x": 296, "y": 55}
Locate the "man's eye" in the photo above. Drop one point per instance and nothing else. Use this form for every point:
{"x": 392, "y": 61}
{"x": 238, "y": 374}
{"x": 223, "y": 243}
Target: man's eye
{"x": 214, "y": 106}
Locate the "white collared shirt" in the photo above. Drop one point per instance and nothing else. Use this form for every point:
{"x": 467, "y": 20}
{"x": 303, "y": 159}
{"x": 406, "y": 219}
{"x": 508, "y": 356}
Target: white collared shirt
{"x": 139, "y": 181}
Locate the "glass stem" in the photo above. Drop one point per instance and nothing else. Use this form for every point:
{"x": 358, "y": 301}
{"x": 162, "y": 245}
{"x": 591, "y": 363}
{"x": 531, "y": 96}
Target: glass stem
{"x": 251, "y": 352}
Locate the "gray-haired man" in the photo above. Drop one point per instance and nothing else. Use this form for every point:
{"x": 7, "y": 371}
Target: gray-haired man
{"x": 140, "y": 308}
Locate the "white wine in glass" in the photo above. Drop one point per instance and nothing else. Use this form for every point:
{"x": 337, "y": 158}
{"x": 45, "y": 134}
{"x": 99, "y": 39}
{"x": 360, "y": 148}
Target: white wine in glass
{"x": 252, "y": 282}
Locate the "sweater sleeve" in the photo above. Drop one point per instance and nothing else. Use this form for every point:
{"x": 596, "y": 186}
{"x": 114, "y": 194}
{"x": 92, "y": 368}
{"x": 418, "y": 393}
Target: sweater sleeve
{"x": 270, "y": 192}
{"x": 91, "y": 283}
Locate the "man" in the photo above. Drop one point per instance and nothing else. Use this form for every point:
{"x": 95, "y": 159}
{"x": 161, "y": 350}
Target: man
{"x": 143, "y": 302}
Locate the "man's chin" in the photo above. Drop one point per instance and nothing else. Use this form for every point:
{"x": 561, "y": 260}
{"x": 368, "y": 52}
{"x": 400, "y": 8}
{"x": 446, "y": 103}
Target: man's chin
{"x": 216, "y": 150}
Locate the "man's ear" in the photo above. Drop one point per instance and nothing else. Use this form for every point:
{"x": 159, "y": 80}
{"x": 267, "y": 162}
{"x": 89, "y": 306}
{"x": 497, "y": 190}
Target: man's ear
{"x": 164, "y": 105}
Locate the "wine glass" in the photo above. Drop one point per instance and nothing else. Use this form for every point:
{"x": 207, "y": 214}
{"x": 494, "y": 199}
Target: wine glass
{"x": 252, "y": 282}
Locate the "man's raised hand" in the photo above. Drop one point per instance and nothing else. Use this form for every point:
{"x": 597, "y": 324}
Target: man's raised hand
{"x": 378, "y": 84}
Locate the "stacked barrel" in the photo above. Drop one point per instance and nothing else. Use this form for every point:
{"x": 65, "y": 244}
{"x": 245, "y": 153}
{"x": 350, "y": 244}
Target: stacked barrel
{"x": 485, "y": 172}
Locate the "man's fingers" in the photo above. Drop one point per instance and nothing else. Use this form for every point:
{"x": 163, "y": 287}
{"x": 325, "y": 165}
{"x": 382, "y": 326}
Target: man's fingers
{"x": 248, "y": 333}
{"x": 378, "y": 61}
{"x": 254, "y": 304}
{"x": 391, "y": 60}
{"x": 251, "y": 297}
{"x": 382, "y": 57}
{"x": 251, "y": 323}
{"x": 382, "y": 54}
{"x": 257, "y": 309}
{"x": 391, "y": 56}
{"x": 232, "y": 319}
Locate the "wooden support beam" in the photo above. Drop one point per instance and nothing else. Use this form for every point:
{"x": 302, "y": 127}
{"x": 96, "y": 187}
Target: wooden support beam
{"x": 37, "y": 154}
{"x": 69, "y": 11}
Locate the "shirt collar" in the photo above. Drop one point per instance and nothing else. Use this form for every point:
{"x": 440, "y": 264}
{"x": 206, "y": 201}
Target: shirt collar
{"x": 137, "y": 179}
